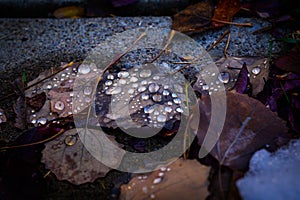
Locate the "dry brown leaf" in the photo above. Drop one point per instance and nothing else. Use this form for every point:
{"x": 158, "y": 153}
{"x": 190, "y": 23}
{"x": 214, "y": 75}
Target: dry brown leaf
{"x": 249, "y": 126}
{"x": 225, "y": 10}
{"x": 194, "y": 19}
{"x": 184, "y": 179}
{"x": 69, "y": 160}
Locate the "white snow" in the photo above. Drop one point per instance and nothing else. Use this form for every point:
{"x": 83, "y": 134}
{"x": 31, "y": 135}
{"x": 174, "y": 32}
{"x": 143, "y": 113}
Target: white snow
{"x": 273, "y": 176}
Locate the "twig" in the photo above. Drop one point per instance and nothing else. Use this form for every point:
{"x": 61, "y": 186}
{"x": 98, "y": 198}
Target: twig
{"x": 249, "y": 24}
{"x": 245, "y": 123}
{"x": 51, "y": 75}
{"x": 34, "y": 143}
{"x": 121, "y": 55}
{"x": 215, "y": 43}
{"x": 226, "y": 45}
{"x": 172, "y": 33}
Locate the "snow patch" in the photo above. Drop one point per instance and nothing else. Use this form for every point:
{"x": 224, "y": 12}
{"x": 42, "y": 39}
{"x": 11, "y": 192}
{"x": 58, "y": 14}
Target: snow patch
{"x": 273, "y": 176}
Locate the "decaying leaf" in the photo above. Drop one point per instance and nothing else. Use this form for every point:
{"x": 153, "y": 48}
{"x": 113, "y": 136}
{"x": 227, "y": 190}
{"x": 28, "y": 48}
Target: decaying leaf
{"x": 184, "y": 179}
{"x": 225, "y": 10}
{"x": 194, "y": 19}
{"x": 69, "y": 160}
{"x": 249, "y": 126}
{"x": 258, "y": 69}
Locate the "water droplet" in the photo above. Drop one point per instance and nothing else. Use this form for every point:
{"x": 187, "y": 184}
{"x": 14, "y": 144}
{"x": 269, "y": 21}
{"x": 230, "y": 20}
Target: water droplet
{"x": 108, "y": 83}
{"x": 163, "y": 169}
{"x": 156, "y": 97}
{"x": 87, "y": 90}
{"x": 224, "y": 77}
{"x": 133, "y": 79}
{"x": 110, "y": 76}
{"x": 145, "y": 73}
{"x": 59, "y": 105}
{"x": 179, "y": 110}
{"x": 152, "y": 196}
{"x": 70, "y": 140}
{"x": 153, "y": 87}
{"x": 156, "y": 78}
{"x": 170, "y": 103}
{"x": 205, "y": 87}
{"x": 122, "y": 81}
{"x": 148, "y": 109}
{"x": 145, "y": 96}
{"x": 71, "y": 94}
{"x": 168, "y": 109}
{"x": 33, "y": 120}
{"x": 161, "y": 118}
{"x": 123, "y": 74}
{"x": 84, "y": 69}
{"x": 165, "y": 92}
{"x": 145, "y": 189}
{"x": 130, "y": 91}
{"x": 161, "y": 174}
{"x": 174, "y": 95}
{"x": 177, "y": 101}
{"x": 49, "y": 87}
{"x": 41, "y": 121}
{"x": 256, "y": 70}
{"x": 87, "y": 99}
{"x": 113, "y": 90}
{"x": 142, "y": 88}
{"x": 157, "y": 180}
{"x": 168, "y": 169}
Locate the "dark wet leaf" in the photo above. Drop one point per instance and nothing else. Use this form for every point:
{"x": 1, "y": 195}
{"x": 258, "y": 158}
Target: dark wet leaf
{"x": 225, "y": 10}
{"x": 249, "y": 126}
{"x": 194, "y": 19}
{"x": 184, "y": 179}
{"x": 37, "y": 101}
{"x": 289, "y": 62}
{"x": 243, "y": 81}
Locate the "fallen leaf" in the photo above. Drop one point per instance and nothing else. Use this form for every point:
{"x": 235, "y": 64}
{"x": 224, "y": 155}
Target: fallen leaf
{"x": 225, "y": 10}
{"x": 69, "y": 12}
{"x": 289, "y": 62}
{"x": 194, "y": 19}
{"x": 184, "y": 179}
{"x": 68, "y": 159}
{"x": 37, "y": 101}
{"x": 242, "y": 83}
{"x": 249, "y": 126}
{"x": 229, "y": 69}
